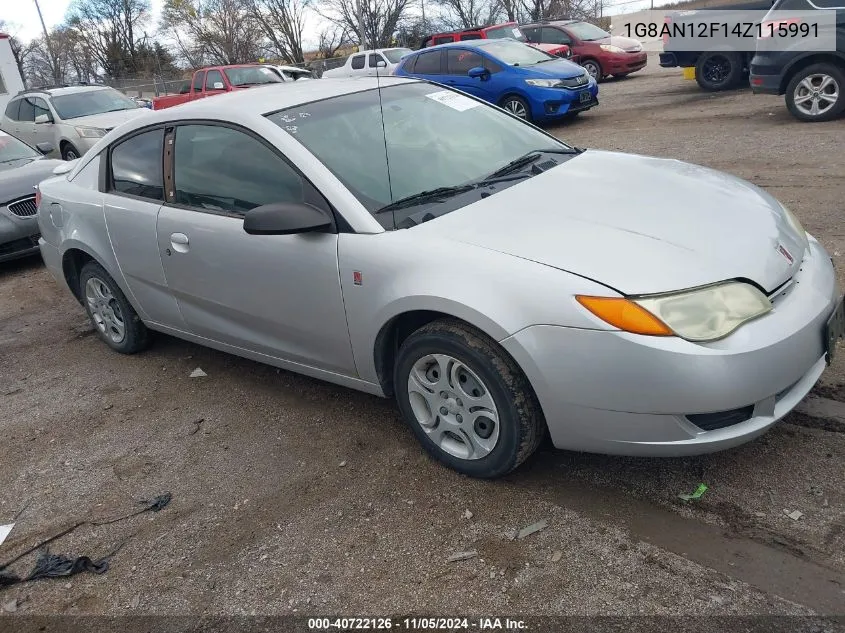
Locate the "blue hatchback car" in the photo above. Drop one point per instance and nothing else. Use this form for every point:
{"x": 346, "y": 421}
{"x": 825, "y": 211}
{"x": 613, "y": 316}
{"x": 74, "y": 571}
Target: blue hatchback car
{"x": 519, "y": 78}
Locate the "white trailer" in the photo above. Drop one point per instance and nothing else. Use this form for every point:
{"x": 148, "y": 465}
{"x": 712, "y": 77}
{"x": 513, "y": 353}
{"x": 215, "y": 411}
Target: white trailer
{"x": 11, "y": 81}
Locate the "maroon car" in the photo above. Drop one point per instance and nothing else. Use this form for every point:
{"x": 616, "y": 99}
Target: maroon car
{"x": 594, "y": 48}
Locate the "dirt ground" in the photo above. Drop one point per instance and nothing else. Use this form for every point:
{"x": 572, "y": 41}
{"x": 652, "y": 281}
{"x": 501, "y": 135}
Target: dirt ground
{"x": 295, "y": 496}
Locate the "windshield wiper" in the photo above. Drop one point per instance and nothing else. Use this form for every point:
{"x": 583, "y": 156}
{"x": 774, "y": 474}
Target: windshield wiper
{"x": 432, "y": 195}
{"x": 526, "y": 159}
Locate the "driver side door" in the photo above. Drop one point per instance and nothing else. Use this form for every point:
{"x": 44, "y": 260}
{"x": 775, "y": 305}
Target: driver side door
{"x": 277, "y": 295}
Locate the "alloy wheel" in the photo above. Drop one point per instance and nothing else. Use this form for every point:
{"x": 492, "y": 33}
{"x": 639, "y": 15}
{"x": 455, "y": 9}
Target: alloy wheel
{"x": 105, "y": 310}
{"x": 453, "y": 406}
{"x": 516, "y": 107}
{"x": 816, "y": 94}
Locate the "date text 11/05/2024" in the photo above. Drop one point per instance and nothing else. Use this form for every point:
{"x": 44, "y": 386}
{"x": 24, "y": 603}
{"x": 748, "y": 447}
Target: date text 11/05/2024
{"x": 720, "y": 29}
{"x": 417, "y": 624}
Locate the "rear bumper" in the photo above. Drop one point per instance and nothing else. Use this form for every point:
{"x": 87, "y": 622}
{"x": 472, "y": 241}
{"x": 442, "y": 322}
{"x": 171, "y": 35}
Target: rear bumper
{"x": 765, "y": 75}
{"x": 618, "y": 393}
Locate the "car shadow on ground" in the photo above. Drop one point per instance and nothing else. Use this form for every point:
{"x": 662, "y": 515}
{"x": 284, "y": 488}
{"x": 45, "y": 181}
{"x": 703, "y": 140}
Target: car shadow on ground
{"x": 22, "y": 265}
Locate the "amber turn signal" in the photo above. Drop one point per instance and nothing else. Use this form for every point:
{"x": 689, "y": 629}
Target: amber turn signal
{"x": 625, "y": 315}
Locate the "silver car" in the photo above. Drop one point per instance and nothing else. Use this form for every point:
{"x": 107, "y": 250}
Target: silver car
{"x": 404, "y": 239}
{"x": 21, "y": 168}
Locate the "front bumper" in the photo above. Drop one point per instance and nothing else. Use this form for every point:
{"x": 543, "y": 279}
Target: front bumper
{"x": 623, "y": 63}
{"x": 619, "y": 393}
{"x": 552, "y": 103}
{"x": 18, "y": 236}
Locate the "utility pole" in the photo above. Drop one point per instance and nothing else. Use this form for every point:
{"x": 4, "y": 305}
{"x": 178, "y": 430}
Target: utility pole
{"x": 53, "y": 59}
{"x": 422, "y": 6}
{"x": 363, "y": 36}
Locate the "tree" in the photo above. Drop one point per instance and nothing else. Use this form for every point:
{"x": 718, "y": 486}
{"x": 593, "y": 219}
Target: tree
{"x": 331, "y": 40}
{"x": 109, "y": 30}
{"x": 215, "y": 31}
{"x": 283, "y": 22}
{"x": 382, "y": 18}
{"x": 465, "y": 14}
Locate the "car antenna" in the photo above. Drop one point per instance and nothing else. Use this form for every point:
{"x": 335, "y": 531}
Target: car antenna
{"x": 384, "y": 136}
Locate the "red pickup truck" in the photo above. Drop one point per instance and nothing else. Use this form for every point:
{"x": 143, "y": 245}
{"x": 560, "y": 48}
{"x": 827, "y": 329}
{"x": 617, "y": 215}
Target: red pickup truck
{"x": 218, "y": 80}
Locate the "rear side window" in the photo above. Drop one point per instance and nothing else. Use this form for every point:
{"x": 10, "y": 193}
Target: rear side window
{"x": 247, "y": 173}
{"x": 552, "y": 35}
{"x": 428, "y": 63}
{"x": 136, "y": 167}
{"x": 358, "y": 62}
{"x": 214, "y": 77}
{"x": 471, "y": 36}
{"x": 199, "y": 80}
{"x": 12, "y": 109}
{"x": 443, "y": 39}
{"x": 27, "y": 111}
{"x": 532, "y": 34}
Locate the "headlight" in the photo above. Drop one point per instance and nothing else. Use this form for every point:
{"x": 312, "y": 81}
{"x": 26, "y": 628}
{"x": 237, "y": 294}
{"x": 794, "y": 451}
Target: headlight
{"x": 543, "y": 83}
{"x": 704, "y": 314}
{"x": 793, "y": 222}
{"x": 610, "y": 48}
{"x": 90, "y": 132}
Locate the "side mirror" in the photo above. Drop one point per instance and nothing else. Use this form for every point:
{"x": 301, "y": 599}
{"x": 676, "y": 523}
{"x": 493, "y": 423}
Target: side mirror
{"x": 285, "y": 218}
{"x": 479, "y": 72}
{"x": 218, "y": 85}
{"x": 381, "y": 64}
{"x": 45, "y": 148}
{"x": 44, "y": 118}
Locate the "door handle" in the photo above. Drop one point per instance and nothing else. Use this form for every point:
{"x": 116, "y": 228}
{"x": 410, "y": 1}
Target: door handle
{"x": 179, "y": 242}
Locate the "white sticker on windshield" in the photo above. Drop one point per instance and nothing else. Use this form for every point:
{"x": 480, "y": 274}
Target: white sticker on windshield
{"x": 454, "y": 100}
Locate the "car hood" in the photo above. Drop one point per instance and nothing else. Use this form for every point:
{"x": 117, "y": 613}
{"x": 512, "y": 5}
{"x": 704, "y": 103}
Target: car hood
{"x": 20, "y": 181}
{"x": 108, "y": 120}
{"x": 626, "y": 43}
{"x": 546, "y": 47}
{"x": 557, "y": 69}
{"x": 639, "y": 225}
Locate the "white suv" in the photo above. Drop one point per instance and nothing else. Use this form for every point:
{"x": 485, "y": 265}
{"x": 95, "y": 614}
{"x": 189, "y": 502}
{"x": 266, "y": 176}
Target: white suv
{"x": 72, "y": 118}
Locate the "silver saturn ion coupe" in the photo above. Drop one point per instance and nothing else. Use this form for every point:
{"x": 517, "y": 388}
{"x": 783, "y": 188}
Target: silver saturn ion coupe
{"x": 408, "y": 240}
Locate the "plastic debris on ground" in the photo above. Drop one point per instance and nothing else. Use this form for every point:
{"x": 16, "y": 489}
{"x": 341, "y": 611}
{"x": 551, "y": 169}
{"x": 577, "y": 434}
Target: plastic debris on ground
{"x": 697, "y": 494}
{"x": 198, "y": 373}
{"x": 4, "y": 531}
{"x": 542, "y": 524}
{"x": 461, "y": 556}
{"x": 794, "y": 515}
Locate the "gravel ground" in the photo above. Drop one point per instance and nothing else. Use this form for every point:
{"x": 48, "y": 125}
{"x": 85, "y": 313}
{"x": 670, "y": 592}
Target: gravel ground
{"x": 295, "y": 496}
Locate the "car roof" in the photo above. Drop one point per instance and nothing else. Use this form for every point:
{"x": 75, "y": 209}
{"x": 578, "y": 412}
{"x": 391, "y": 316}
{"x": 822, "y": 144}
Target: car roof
{"x": 272, "y": 97}
{"x": 474, "y": 43}
{"x": 553, "y": 23}
{"x": 64, "y": 90}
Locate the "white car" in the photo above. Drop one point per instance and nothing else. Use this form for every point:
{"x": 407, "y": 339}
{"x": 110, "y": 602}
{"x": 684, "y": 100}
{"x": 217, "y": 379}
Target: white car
{"x": 71, "y": 118}
{"x": 365, "y": 63}
{"x": 291, "y": 73}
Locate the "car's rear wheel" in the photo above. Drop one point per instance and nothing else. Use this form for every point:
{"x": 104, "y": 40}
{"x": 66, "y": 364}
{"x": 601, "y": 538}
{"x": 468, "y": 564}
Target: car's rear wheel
{"x": 816, "y": 93}
{"x": 592, "y": 67}
{"x": 466, "y": 400}
{"x": 517, "y": 106}
{"x": 719, "y": 70}
{"x": 114, "y": 319}
{"x": 69, "y": 152}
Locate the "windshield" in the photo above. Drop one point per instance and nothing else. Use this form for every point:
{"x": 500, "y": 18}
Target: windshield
{"x": 516, "y": 54}
{"x": 251, "y": 75}
{"x": 507, "y": 30}
{"x": 89, "y": 102}
{"x": 11, "y": 149}
{"x": 431, "y": 138}
{"x": 587, "y": 32}
{"x": 395, "y": 54}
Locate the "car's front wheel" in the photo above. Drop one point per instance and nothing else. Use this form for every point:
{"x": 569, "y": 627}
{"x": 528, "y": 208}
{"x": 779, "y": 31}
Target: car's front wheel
{"x": 517, "y": 106}
{"x": 466, "y": 399}
{"x": 114, "y": 319}
{"x": 69, "y": 152}
{"x": 592, "y": 67}
{"x": 816, "y": 93}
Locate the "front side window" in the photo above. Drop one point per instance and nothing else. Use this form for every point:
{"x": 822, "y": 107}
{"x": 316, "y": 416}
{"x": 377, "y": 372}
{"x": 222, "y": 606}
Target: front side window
{"x": 358, "y": 62}
{"x": 507, "y": 31}
{"x": 428, "y": 63}
{"x": 87, "y": 102}
{"x": 471, "y": 36}
{"x": 516, "y": 54}
{"x": 552, "y": 35}
{"x": 41, "y": 107}
{"x": 136, "y": 167}
{"x": 587, "y": 32}
{"x": 429, "y": 137}
{"x": 375, "y": 58}
{"x": 27, "y": 111}
{"x": 459, "y": 62}
{"x": 251, "y": 76}
{"x": 221, "y": 169}
{"x": 443, "y": 39}
{"x": 199, "y": 80}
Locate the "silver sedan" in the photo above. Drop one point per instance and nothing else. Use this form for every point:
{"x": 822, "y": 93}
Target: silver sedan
{"x": 411, "y": 241}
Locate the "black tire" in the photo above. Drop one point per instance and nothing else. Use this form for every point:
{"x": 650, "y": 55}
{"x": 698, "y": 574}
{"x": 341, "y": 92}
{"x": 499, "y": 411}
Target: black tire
{"x": 718, "y": 70}
{"x": 513, "y": 103}
{"x": 136, "y": 336}
{"x": 588, "y": 63}
{"x": 813, "y": 72}
{"x": 69, "y": 152}
{"x": 521, "y": 426}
